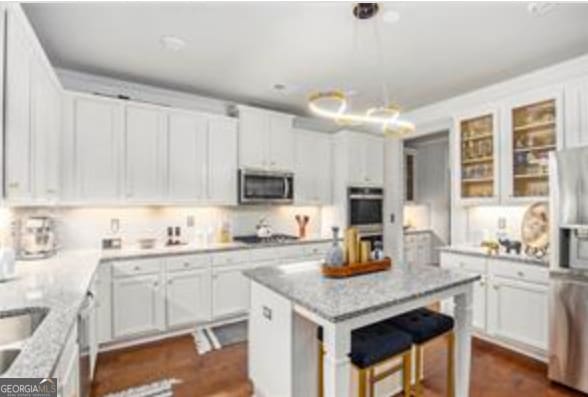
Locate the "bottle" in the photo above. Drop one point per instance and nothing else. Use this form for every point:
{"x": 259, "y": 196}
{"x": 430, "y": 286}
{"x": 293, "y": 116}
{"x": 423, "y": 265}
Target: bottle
{"x": 378, "y": 252}
{"x": 335, "y": 256}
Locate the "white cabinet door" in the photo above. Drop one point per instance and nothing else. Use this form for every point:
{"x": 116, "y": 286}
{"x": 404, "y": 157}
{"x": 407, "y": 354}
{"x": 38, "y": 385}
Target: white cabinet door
{"x": 17, "y": 112}
{"x": 104, "y": 303}
{"x": 230, "y": 291}
{"x": 188, "y": 297}
{"x": 187, "y": 156}
{"x": 374, "y": 160}
{"x": 97, "y": 131}
{"x": 45, "y": 133}
{"x": 67, "y": 369}
{"x": 517, "y": 311}
{"x": 138, "y": 305}
{"x": 281, "y": 142}
{"x": 222, "y": 161}
{"x": 312, "y": 167}
{"x": 356, "y": 154}
{"x": 253, "y": 143}
{"x": 144, "y": 151}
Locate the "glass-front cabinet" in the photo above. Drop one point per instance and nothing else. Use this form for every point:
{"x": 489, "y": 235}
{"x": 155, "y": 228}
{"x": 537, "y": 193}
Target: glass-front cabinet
{"x": 534, "y": 130}
{"x": 476, "y": 157}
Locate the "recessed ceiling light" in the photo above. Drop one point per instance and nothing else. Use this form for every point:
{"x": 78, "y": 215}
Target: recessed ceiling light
{"x": 540, "y": 8}
{"x": 391, "y": 16}
{"x": 172, "y": 43}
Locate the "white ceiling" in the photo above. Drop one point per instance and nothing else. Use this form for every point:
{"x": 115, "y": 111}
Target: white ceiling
{"x": 238, "y": 51}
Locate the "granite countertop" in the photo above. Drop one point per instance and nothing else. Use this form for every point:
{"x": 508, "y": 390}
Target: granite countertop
{"x": 340, "y": 299}
{"x": 59, "y": 284}
{"x": 479, "y": 251}
{"x": 135, "y": 252}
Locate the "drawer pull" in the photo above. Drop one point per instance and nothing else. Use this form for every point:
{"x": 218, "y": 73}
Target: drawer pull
{"x": 155, "y": 284}
{"x": 186, "y": 264}
{"x": 496, "y": 287}
{"x": 462, "y": 265}
{"x": 170, "y": 282}
{"x": 137, "y": 268}
{"x": 267, "y": 312}
{"x": 521, "y": 274}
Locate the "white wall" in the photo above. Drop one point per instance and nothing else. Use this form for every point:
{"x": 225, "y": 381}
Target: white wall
{"x": 85, "y": 227}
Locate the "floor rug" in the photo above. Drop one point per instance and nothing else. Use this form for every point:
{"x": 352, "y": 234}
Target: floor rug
{"x": 162, "y": 388}
{"x": 230, "y": 334}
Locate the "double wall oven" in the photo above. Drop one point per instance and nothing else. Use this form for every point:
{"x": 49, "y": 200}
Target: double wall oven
{"x": 366, "y": 211}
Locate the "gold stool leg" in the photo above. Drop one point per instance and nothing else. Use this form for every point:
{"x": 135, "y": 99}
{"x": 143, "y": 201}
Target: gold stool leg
{"x": 419, "y": 371}
{"x": 362, "y": 382}
{"x": 450, "y": 364}
{"x": 371, "y": 383}
{"x": 406, "y": 372}
{"x": 321, "y": 379}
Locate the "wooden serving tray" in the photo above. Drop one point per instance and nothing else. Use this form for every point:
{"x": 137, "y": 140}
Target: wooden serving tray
{"x": 355, "y": 269}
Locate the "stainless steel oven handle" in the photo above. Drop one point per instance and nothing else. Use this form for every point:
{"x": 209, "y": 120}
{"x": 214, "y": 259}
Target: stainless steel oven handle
{"x": 286, "y": 187}
{"x": 366, "y": 197}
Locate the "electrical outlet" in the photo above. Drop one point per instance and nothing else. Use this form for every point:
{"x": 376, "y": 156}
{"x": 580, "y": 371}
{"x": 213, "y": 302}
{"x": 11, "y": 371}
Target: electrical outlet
{"x": 501, "y": 222}
{"x": 190, "y": 221}
{"x": 114, "y": 225}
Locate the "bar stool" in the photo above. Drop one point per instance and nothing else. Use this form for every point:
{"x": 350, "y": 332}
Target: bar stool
{"x": 371, "y": 346}
{"x": 424, "y": 326}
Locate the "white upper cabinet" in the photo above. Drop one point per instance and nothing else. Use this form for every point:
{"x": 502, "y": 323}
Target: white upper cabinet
{"x": 476, "y": 148}
{"x": 576, "y": 113}
{"x": 45, "y": 134}
{"x": 187, "y": 156}
{"x": 32, "y": 117}
{"x": 533, "y": 127}
{"x": 313, "y": 167}
{"x": 281, "y": 142}
{"x": 93, "y": 131}
{"x": 265, "y": 140}
{"x": 144, "y": 149}
{"x": 366, "y": 159}
{"x": 222, "y": 161}
{"x": 17, "y": 112}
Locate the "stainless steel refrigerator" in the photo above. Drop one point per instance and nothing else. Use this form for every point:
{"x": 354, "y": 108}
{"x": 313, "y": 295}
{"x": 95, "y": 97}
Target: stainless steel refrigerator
{"x": 568, "y": 305}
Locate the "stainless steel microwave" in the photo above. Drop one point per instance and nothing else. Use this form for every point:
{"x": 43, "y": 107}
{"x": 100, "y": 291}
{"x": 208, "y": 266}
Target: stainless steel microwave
{"x": 265, "y": 187}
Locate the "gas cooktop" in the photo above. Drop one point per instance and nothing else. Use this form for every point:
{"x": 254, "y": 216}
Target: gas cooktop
{"x": 274, "y": 239}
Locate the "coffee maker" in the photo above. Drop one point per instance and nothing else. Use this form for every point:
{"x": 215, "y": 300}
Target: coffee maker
{"x": 37, "y": 238}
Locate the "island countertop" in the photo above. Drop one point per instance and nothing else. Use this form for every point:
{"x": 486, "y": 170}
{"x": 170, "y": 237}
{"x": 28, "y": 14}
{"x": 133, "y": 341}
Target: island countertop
{"x": 341, "y": 299}
{"x": 58, "y": 284}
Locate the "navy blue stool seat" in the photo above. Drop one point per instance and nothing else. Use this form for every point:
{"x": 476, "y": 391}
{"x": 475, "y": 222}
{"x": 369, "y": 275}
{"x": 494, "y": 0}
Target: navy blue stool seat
{"x": 425, "y": 325}
{"x": 375, "y": 343}
{"x": 370, "y": 346}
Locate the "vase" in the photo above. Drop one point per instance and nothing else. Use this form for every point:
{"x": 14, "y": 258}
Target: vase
{"x": 335, "y": 255}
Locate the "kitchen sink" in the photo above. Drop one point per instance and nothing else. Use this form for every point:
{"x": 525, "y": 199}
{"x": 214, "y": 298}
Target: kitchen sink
{"x": 6, "y": 358}
{"x": 18, "y": 325}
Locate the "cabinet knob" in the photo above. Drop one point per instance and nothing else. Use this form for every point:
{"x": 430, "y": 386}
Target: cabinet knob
{"x": 482, "y": 283}
{"x": 13, "y": 185}
{"x": 51, "y": 191}
{"x": 170, "y": 282}
{"x": 496, "y": 286}
{"x": 137, "y": 268}
{"x": 521, "y": 274}
{"x": 155, "y": 284}
{"x": 186, "y": 264}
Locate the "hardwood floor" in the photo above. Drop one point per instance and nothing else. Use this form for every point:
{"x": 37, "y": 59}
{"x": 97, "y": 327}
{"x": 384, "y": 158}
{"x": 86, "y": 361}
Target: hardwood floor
{"x": 496, "y": 372}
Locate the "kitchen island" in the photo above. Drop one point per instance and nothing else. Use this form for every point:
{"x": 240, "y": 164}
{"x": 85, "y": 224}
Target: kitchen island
{"x": 288, "y": 303}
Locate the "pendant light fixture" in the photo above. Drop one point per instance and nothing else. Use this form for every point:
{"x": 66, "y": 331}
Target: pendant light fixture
{"x": 335, "y": 104}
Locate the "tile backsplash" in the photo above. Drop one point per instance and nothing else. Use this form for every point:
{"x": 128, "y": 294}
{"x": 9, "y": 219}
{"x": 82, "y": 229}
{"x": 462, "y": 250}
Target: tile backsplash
{"x": 85, "y": 227}
{"x": 484, "y": 221}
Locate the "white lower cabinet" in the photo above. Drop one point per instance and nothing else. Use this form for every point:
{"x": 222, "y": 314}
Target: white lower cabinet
{"x": 230, "y": 291}
{"x": 67, "y": 370}
{"x": 418, "y": 249}
{"x": 188, "y": 297}
{"x": 517, "y": 311}
{"x": 510, "y": 301}
{"x": 138, "y": 305}
{"x": 104, "y": 303}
